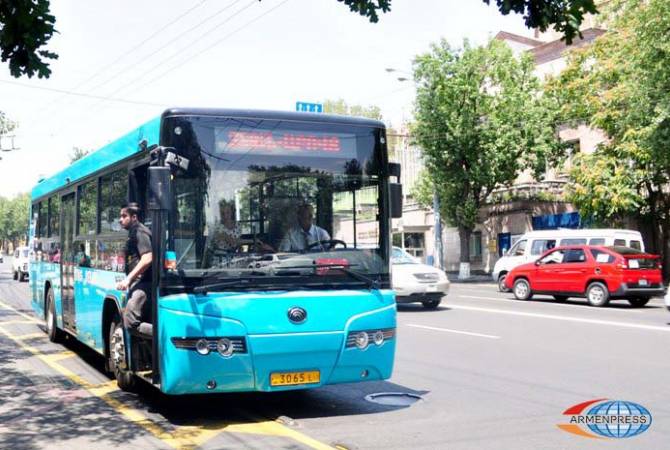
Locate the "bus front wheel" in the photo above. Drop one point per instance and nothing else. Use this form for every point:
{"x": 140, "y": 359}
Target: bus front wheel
{"x": 117, "y": 356}
{"x": 53, "y": 332}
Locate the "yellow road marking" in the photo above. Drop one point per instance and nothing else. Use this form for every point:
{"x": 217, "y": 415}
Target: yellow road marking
{"x": 53, "y": 357}
{"x": 16, "y": 322}
{"x": 183, "y": 437}
{"x": 25, "y": 337}
{"x": 11, "y": 308}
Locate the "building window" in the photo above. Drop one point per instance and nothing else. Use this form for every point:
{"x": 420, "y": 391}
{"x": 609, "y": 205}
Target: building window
{"x": 476, "y": 245}
{"x": 413, "y": 243}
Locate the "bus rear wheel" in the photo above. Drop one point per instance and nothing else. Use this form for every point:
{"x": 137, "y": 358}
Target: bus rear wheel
{"x": 117, "y": 357}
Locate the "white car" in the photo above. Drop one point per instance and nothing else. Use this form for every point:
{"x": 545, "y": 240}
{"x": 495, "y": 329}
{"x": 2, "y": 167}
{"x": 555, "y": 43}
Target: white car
{"x": 20, "y": 263}
{"x": 416, "y": 282}
{"x": 667, "y": 298}
{"x": 269, "y": 259}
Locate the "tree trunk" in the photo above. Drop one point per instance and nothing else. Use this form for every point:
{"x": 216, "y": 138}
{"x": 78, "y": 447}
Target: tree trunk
{"x": 665, "y": 249}
{"x": 464, "y": 266}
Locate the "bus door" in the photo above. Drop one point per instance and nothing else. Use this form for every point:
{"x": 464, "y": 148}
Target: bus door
{"x": 67, "y": 262}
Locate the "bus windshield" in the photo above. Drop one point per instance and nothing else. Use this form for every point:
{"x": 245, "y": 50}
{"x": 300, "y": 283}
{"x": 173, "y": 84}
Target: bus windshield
{"x": 271, "y": 199}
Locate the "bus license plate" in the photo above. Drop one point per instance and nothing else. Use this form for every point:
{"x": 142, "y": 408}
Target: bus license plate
{"x": 293, "y": 378}
{"x": 643, "y": 282}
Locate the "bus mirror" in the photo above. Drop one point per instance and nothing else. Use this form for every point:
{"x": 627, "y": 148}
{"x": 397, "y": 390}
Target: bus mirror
{"x": 394, "y": 170}
{"x": 159, "y": 188}
{"x": 396, "y": 200}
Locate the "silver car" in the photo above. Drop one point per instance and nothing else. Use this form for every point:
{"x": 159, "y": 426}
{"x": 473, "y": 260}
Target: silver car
{"x": 416, "y": 282}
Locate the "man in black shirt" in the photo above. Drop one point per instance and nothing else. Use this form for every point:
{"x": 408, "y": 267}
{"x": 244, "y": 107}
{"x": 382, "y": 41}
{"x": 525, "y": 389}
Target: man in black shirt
{"x": 138, "y": 272}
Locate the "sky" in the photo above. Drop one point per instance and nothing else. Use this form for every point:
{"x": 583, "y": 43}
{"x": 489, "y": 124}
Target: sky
{"x": 122, "y": 63}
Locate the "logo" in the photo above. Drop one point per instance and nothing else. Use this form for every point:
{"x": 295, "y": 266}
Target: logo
{"x": 604, "y": 418}
{"x": 297, "y": 315}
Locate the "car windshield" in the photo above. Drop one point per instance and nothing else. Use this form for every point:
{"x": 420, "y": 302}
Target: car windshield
{"x": 273, "y": 199}
{"x": 399, "y": 256}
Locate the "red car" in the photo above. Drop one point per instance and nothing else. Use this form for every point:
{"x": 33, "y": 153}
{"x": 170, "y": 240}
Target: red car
{"x": 598, "y": 273}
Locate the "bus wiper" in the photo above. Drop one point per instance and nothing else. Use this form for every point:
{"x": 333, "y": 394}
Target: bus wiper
{"x": 239, "y": 282}
{"x": 371, "y": 283}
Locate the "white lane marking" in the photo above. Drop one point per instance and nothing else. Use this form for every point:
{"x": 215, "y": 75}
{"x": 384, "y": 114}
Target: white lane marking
{"x": 568, "y": 305}
{"x": 563, "y": 318}
{"x": 447, "y": 330}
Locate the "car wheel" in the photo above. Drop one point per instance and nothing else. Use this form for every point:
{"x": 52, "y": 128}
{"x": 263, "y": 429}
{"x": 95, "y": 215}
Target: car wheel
{"x": 597, "y": 294}
{"x": 638, "y": 302}
{"x": 117, "y": 356}
{"x": 431, "y": 304}
{"x": 522, "y": 289}
{"x": 560, "y": 298}
{"x": 501, "y": 283}
{"x": 55, "y": 335}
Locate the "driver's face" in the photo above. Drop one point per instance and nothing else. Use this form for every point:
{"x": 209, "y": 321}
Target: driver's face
{"x": 305, "y": 217}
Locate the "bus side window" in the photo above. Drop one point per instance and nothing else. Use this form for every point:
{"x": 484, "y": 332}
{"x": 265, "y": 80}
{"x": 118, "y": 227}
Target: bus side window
{"x": 636, "y": 245}
{"x": 620, "y": 242}
{"x": 597, "y": 241}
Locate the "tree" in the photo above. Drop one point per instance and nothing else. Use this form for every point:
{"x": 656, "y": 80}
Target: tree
{"x": 27, "y": 25}
{"x": 620, "y": 85}
{"x": 14, "y": 219}
{"x": 394, "y": 139}
{"x": 77, "y": 154}
{"x": 480, "y": 120}
{"x": 343, "y": 108}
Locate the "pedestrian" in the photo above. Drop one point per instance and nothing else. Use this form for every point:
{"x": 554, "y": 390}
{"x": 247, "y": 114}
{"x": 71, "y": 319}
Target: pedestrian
{"x": 138, "y": 272}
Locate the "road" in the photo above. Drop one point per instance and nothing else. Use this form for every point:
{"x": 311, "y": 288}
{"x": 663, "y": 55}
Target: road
{"x": 491, "y": 373}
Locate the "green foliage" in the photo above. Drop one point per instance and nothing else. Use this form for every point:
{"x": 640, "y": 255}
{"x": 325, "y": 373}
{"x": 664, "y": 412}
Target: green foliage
{"x": 620, "y": 85}
{"x": 423, "y": 190}
{"x": 565, "y": 15}
{"x": 480, "y": 120}
{"x": 6, "y": 125}
{"x": 25, "y": 26}
{"x": 77, "y": 154}
{"x": 368, "y": 8}
{"x": 343, "y": 108}
{"x": 14, "y": 217}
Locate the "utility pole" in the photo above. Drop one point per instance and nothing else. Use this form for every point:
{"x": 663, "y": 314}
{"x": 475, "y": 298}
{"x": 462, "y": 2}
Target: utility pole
{"x": 439, "y": 257}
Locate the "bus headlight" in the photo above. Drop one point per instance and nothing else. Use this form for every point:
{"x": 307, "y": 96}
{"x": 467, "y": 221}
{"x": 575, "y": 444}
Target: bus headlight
{"x": 202, "y": 346}
{"x": 225, "y": 347}
{"x": 378, "y": 338}
{"x": 362, "y": 340}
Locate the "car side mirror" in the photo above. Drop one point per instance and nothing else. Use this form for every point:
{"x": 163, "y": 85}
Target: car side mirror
{"x": 537, "y": 263}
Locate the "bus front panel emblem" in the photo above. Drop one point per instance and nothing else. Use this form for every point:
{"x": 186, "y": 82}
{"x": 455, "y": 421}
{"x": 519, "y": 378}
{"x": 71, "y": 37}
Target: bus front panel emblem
{"x": 297, "y": 314}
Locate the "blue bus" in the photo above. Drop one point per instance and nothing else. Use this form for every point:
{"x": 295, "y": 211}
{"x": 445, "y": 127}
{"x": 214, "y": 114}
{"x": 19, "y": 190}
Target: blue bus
{"x": 241, "y": 300}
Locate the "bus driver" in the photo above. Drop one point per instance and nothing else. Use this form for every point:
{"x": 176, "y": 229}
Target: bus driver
{"x": 304, "y": 233}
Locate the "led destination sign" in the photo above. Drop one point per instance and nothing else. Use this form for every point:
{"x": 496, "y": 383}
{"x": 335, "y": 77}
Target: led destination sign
{"x": 267, "y": 142}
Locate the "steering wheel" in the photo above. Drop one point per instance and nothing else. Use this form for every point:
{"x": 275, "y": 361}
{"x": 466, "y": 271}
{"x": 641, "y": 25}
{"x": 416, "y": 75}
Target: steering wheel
{"x": 327, "y": 244}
